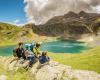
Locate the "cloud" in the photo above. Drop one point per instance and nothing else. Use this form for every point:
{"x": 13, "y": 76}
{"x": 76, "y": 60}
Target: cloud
{"x": 40, "y": 11}
{"x": 98, "y": 8}
{"x": 16, "y": 21}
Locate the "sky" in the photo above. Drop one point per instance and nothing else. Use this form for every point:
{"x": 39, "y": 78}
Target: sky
{"x": 12, "y": 11}
{"x": 40, "y": 11}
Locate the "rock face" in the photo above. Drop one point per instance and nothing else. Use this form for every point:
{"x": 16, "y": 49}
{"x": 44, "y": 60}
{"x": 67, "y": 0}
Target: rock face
{"x": 71, "y": 25}
{"x": 53, "y": 71}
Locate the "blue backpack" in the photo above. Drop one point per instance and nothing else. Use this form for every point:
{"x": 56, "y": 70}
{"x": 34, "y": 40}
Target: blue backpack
{"x": 29, "y": 46}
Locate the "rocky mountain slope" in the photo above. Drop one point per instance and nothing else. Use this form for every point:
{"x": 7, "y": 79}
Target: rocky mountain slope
{"x": 71, "y": 25}
{"x": 51, "y": 71}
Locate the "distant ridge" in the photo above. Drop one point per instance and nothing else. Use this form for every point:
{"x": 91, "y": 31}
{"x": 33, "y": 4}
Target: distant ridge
{"x": 73, "y": 25}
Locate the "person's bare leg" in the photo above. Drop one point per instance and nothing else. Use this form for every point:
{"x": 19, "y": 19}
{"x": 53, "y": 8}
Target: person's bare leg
{"x": 15, "y": 58}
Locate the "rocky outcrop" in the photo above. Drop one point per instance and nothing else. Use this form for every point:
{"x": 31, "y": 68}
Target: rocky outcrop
{"x": 52, "y": 71}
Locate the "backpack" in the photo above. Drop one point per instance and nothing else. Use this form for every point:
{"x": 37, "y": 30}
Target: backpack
{"x": 14, "y": 52}
{"x": 29, "y": 47}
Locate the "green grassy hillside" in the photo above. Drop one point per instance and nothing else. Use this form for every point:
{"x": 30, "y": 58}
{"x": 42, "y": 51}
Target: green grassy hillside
{"x": 10, "y": 34}
{"x": 89, "y": 60}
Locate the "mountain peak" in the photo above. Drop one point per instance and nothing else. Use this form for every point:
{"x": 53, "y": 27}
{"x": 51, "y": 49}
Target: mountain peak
{"x": 83, "y": 14}
{"x": 70, "y": 14}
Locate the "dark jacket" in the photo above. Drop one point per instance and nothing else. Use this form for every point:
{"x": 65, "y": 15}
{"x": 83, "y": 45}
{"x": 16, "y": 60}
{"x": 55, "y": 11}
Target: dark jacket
{"x": 20, "y": 53}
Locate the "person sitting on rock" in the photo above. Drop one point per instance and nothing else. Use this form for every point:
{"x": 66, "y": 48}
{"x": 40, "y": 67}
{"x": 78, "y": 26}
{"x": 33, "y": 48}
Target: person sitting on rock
{"x": 44, "y": 58}
{"x": 18, "y": 52}
{"x": 36, "y": 50}
{"x": 30, "y": 57}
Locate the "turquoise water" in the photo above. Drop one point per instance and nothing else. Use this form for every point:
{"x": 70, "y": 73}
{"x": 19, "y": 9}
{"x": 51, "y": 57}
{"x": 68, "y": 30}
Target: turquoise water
{"x": 55, "y": 46}
{"x": 64, "y": 47}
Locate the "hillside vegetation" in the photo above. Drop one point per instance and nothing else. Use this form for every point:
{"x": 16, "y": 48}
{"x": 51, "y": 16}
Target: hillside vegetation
{"x": 88, "y": 60}
{"x": 12, "y": 34}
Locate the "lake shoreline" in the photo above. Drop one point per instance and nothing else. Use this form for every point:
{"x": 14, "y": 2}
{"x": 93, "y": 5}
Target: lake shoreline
{"x": 50, "y": 40}
{"x": 57, "y": 46}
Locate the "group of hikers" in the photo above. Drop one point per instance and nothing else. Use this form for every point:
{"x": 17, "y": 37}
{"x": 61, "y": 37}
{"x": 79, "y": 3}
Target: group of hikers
{"x": 31, "y": 52}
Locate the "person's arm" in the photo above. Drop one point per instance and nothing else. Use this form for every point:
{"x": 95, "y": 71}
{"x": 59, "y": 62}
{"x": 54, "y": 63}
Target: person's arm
{"x": 34, "y": 51}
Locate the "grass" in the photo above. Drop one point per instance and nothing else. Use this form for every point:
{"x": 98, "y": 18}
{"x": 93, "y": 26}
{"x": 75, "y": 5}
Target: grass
{"x": 11, "y": 34}
{"x": 7, "y": 43}
{"x": 89, "y": 60}
{"x": 20, "y": 74}
{"x": 10, "y": 43}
